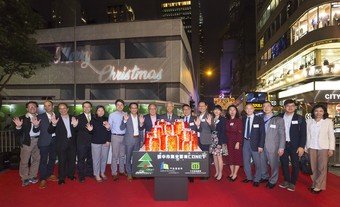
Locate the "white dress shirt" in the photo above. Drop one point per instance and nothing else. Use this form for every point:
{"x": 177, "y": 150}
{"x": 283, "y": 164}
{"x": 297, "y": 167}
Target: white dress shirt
{"x": 288, "y": 123}
{"x": 250, "y": 124}
{"x": 135, "y": 125}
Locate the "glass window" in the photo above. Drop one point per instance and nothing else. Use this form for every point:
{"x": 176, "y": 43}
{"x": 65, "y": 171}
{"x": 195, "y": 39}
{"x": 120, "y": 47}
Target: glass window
{"x": 302, "y": 28}
{"x": 100, "y": 49}
{"x": 336, "y": 14}
{"x": 324, "y": 15}
{"x": 145, "y": 48}
{"x": 312, "y": 16}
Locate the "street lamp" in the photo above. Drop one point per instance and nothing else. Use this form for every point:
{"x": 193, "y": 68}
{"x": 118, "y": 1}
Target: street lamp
{"x": 209, "y": 72}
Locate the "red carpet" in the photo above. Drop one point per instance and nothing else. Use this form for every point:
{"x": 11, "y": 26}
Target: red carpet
{"x": 140, "y": 193}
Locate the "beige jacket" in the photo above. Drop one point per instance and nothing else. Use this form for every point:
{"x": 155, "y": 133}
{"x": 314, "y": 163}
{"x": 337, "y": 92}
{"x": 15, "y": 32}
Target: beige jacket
{"x": 326, "y": 135}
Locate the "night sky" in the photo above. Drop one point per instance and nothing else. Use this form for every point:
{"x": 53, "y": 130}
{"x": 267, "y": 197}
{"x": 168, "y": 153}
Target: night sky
{"x": 214, "y": 14}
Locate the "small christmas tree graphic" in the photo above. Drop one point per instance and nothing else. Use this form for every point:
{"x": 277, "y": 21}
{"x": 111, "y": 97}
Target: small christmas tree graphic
{"x": 145, "y": 161}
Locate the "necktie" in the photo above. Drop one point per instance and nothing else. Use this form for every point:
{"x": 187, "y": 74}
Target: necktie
{"x": 88, "y": 118}
{"x": 169, "y": 118}
{"x": 248, "y": 128}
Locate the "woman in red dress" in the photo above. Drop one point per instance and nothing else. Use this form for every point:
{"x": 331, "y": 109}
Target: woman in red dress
{"x": 234, "y": 128}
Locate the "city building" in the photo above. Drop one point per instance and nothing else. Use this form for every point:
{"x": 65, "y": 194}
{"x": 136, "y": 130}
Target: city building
{"x": 190, "y": 14}
{"x": 298, "y": 50}
{"x": 239, "y": 49}
{"x": 120, "y": 13}
{"x": 143, "y": 61}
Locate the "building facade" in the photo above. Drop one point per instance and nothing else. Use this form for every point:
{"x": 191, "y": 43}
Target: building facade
{"x": 298, "y": 51}
{"x": 143, "y": 61}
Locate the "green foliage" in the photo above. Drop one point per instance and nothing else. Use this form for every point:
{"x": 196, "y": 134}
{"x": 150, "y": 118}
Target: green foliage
{"x": 19, "y": 53}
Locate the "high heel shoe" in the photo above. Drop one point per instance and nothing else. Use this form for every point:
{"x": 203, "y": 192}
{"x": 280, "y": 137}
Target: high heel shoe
{"x": 233, "y": 179}
{"x": 219, "y": 179}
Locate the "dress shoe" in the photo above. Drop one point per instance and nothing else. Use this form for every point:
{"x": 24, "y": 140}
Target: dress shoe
{"x": 42, "y": 184}
{"x": 98, "y": 179}
{"x": 115, "y": 177}
{"x": 103, "y": 176}
{"x": 291, "y": 187}
{"x": 81, "y": 180}
{"x": 256, "y": 184}
{"x": 270, "y": 185}
{"x": 285, "y": 184}
{"x": 71, "y": 177}
{"x": 246, "y": 180}
{"x": 129, "y": 178}
{"x": 33, "y": 180}
{"x": 263, "y": 180}
{"x": 60, "y": 182}
{"x": 25, "y": 183}
{"x": 53, "y": 178}
{"x": 316, "y": 191}
{"x": 123, "y": 174}
{"x": 311, "y": 188}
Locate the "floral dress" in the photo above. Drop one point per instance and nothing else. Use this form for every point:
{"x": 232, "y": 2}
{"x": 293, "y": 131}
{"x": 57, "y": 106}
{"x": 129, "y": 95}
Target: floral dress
{"x": 219, "y": 138}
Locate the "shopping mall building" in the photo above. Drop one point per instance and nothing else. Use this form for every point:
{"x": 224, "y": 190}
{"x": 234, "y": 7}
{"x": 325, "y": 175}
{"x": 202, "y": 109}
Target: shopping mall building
{"x": 143, "y": 61}
{"x": 298, "y": 51}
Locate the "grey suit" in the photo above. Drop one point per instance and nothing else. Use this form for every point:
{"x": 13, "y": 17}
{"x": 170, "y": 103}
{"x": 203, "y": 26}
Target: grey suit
{"x": 275, "y": 140}
{"x": 205, "y": 133}
{"x": 131, "y": 142}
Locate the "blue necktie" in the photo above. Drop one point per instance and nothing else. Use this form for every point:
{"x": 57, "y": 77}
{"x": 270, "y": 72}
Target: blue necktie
{"x": 248, "y": 128}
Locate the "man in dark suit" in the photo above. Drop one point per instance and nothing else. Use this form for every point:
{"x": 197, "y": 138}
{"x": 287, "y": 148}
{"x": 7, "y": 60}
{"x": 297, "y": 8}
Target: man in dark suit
{"x": 169, "y": 116}
{"x": 188, "y": 119}
{"x": 204, "y": 126}
{"x": 254, "y": 137}
{"x": 47, "y": 146}
{"x": 150, "y": 118}
{"x": 84, "y": 155}
{"x": 27, "y": 132}
{"x": 131, "y": 123}
{"x": 63, "y": 127}
{"x": 295, "y": 126}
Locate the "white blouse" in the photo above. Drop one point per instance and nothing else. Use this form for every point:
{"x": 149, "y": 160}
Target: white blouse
{"x": 315, "y": 133}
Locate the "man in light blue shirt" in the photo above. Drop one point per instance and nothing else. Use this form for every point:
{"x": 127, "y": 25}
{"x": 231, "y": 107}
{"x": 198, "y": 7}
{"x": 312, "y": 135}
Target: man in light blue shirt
{"x": 118, "y": 148}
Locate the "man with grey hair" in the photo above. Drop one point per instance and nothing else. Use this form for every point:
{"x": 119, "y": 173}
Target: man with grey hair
{"x": 169, "y": 116}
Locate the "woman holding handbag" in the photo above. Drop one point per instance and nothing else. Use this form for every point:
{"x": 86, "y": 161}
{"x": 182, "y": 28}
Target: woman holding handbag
{"x": 320, "y": 146}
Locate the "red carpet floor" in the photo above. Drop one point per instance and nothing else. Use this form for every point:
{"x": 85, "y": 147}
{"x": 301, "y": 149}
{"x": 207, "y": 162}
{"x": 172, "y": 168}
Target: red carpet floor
{"x": 139, "y": 193}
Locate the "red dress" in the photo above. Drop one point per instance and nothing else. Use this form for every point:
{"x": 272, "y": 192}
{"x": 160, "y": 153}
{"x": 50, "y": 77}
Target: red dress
{"x": 234, "y": 129}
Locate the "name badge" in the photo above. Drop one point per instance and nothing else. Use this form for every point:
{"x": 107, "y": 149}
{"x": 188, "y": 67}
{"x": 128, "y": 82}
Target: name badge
{"x": 232, "y": 124}
{"x": 256, "y": 126}
{"x": 295, "y": 122}
{"x": 273, "y": 126}
{"x": 191, "y": 124}
{"x": 203, "y": 120}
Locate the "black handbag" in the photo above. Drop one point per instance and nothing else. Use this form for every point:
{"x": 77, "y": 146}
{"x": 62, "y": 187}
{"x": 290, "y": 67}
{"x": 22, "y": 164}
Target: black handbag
{"x": 305, "y": 164}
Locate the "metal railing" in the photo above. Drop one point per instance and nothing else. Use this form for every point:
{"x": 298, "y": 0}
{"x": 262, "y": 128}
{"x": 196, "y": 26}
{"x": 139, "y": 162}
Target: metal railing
{"x": 7, "y": 141}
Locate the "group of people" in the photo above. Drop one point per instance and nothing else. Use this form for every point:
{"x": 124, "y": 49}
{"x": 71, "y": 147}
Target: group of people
{"x": 86, "y": 139}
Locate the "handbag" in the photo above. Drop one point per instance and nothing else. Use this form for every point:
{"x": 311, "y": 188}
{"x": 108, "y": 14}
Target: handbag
{"x": 305, "y": 164}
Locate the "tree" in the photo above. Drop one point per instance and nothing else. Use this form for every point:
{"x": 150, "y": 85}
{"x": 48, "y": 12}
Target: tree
{"x": 19, "y": 53}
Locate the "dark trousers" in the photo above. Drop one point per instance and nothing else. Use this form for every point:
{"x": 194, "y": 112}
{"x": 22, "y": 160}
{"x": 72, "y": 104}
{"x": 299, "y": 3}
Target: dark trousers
{"x": 85, "y": 165}
{"x": 290, "y": 152}
{"x": 67, "y": 161}
{"x": 47, "y": 160}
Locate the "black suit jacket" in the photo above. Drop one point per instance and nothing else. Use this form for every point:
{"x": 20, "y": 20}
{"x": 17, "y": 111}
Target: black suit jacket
{"x": 23, "y": 134}
{"x": 83, "y": 135}
{"x": 172, "y": 120}
{"x": 45, "y": 137}
{"x": 191, "y": 123}
{"x": 61, "y": 133}
{"x": 297, "y": 131}
{"x": 148, "y": 123}
{"x": 257, "y": 134}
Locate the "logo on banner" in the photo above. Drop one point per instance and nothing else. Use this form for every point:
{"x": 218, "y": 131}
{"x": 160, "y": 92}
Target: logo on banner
{"x": 195, "y": 166}
{"x": 111, "y": 73}
{"x": 145, "y": 166}
{"x": 164, "y": 166}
